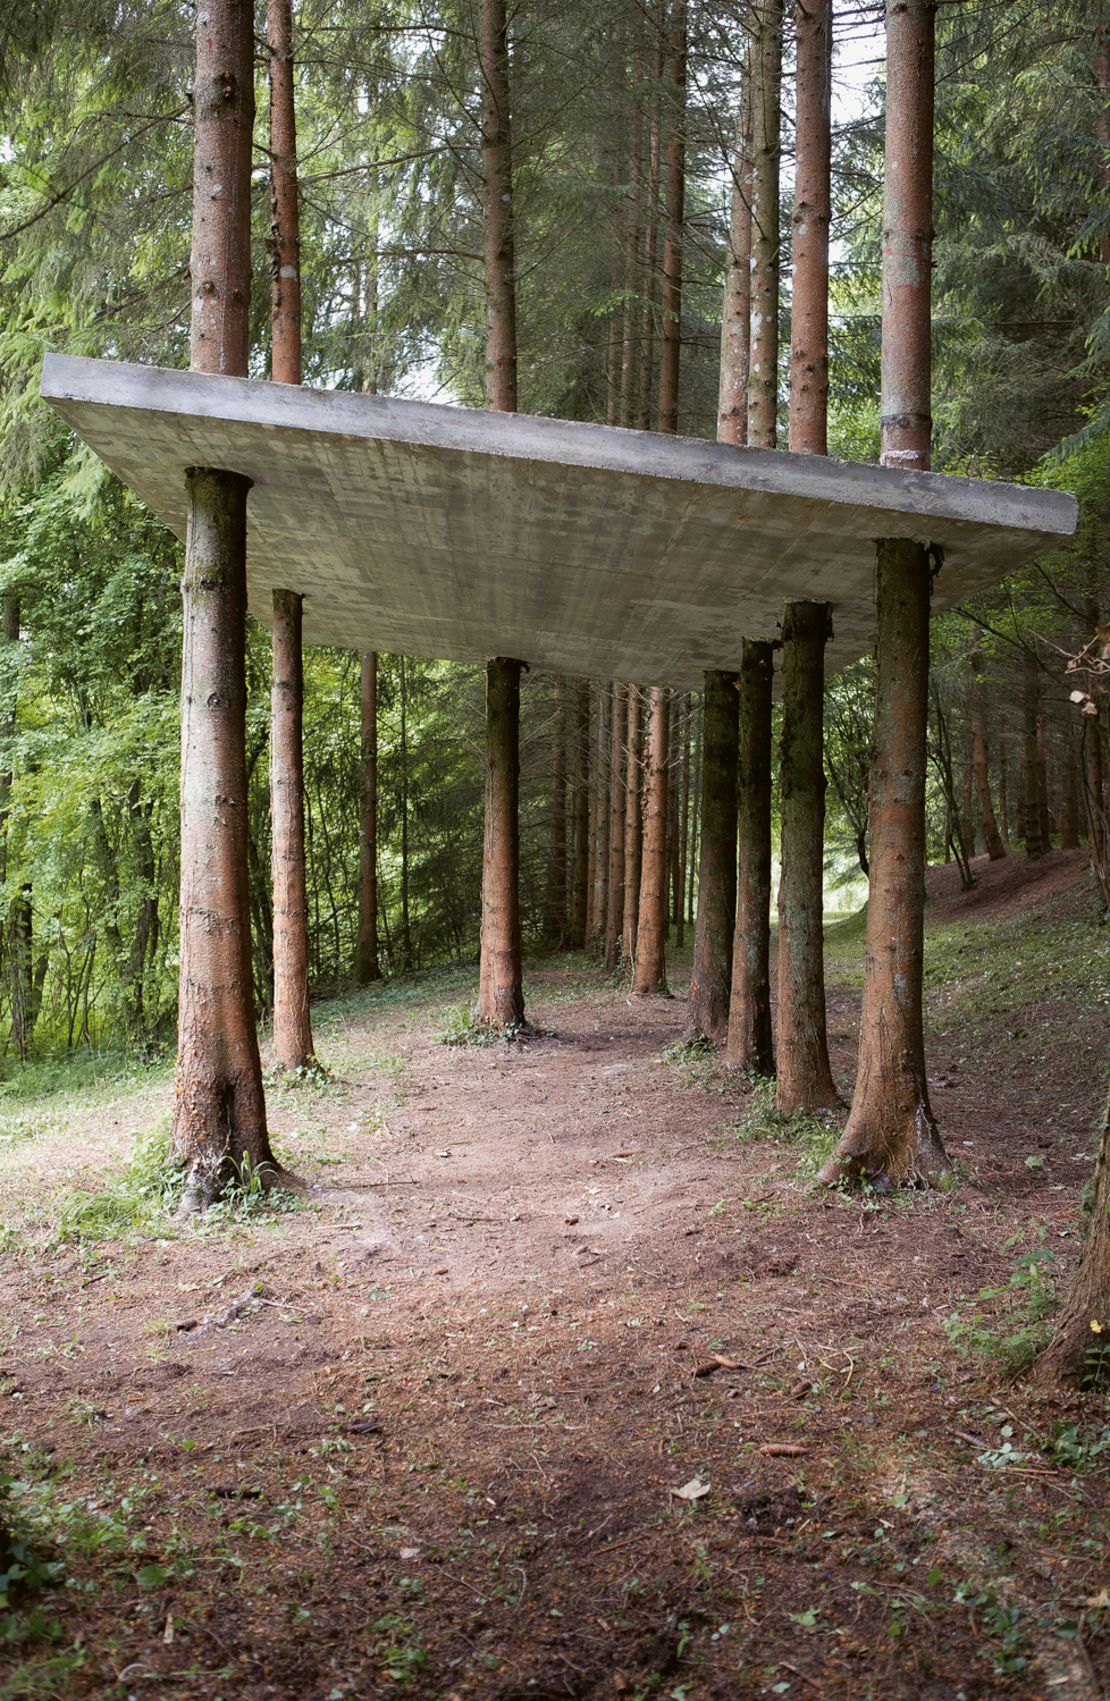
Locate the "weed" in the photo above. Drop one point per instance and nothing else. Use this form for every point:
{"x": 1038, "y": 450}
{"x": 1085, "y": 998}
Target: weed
{"x": 700, "y": 1065}
{"x": 1027, "y": 1301}
{"x": 814, "y": 1133}
{"x": 463, "y": 1028}
{"x": 135, "y": 1201}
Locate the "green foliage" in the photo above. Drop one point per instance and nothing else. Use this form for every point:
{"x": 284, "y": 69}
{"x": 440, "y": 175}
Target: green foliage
{"x": 815, "y": 1136}
{"x": 462, "y": 1027}
{"x": 1016, "y": 1327}
{"x": 137, "y": 1201}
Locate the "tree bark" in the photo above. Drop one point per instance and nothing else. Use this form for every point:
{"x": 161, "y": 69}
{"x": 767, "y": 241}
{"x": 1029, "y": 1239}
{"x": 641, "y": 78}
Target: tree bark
{"x": 555, "y": 906}
{"x": 891, "y": 1136}
{"x": 891, "y": 1133}
{"x": 501, "y": 982}
{"x": 766, "y": 103}
{"x": 671, "y": 331}
{"x": 805, "y": 1081}
{"x": 732, "y": 399}
{"x": 1032, "y": 819}
{"x": 809, "y": 310}
{"x": 1069, "y": 793}
{"x": 614, "y": 895}
{"x": 1079, "y": 1352}
{"x": 632, "y": 830}
{"x": 992, "y": 838}
{"x": 656, "y": 13}
{"x": 600, "y": 856}
{"x": 219, "y": 1117}
{"x": 285, "y": 222}
{"x": 651, "y": 935}
{"x": 682, "y": 824}
{"x": 293, "y": 1047}
{"x": 219, "y": 1111}
{"x": 750, "y": 1045}
{"x": 497, "y": 167}
{"x": 580, "y": 882}
{"x": 711, "y": 980}
{"x": 367, "y": 965}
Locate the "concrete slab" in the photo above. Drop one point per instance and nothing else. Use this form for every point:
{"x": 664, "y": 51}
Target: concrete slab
{"x": 447, "y": 532}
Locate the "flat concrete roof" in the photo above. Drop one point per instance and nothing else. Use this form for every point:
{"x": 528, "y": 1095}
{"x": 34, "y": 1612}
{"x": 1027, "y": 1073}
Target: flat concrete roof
{"x": 449, "y": 532}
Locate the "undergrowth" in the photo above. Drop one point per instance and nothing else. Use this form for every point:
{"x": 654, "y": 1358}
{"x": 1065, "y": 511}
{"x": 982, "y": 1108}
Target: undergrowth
{"x": 1017, "y": 1326}
{"x": 812, "y": 1133}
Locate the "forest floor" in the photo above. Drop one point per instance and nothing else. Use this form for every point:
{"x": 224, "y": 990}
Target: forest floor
{"x": 564, "y": 1381}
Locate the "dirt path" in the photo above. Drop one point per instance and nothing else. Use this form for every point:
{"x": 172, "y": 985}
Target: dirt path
{"x": 423, "y": 1437}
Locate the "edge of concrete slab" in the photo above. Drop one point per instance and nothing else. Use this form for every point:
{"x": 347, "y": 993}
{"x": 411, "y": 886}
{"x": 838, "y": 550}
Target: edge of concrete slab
{"x": 82, "y": 381}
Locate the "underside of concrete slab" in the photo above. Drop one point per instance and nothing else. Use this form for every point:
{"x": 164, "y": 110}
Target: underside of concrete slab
{"x": 446, "y": 532}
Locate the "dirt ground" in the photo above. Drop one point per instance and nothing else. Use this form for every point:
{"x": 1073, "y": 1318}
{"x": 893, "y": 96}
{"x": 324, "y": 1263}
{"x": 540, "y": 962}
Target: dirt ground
{"x": 566, "y": 1383}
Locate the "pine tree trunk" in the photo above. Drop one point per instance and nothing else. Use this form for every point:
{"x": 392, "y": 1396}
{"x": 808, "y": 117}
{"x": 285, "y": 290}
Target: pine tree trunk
{"x": 614, "y": 897}
{"x": 293, "y": 1046}
{"x": 891, "y": 1133}
{"x": 1069, "y": 794}
{"x": 367, "y": 966}
{"x": 219, "y": 1110}
{"x": 651, "y": 934}
{"x": 500, "y": 988}
{"x": 292, "y": 1024}
{"x": 891, "y": 1136}
{"x": 683, "y": 825}
{"x": 497, "y": 167}
{"x": 1032, "y": 823}
{"x": 407, "y": 953}
{"x": 1079, "y": 1352}
{"x": 579, "y": 903}
{"x": 991, "y": 836}
{"x": 805, "y": 1080}
{"x": 655, "y": 11}
{"x": 632, "y": 830}
{"x": 766, "y": 103}
{"x": 809, "y": 309}
{"x": 671, "y": 330}
{"x": 555, "y": 905}
{"x": 750, "y": 1045}
{"x": 600, "y": 860}
{"x": 732, "y": 399}
{"x": 711, "y": 980}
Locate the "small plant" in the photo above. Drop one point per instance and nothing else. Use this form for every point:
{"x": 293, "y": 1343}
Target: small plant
{"x": 249, "y": 1195}
{"x": 1028, "y": 1300}
{"x": 136, "y": 1201}
{"x": 813, "y": 1133}
{"x": 462, "y": 1028}
{"x": 699, "y": 1064}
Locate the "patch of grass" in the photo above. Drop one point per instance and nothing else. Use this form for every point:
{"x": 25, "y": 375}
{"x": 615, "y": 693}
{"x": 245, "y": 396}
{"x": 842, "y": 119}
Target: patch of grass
{"x": 699, "y": 1064}
{"x": 462, "y": 1028}
{"x": 136, "y": 1201}
{"x": 814, "y": 1135}
{"x": 1017, "y": 1328}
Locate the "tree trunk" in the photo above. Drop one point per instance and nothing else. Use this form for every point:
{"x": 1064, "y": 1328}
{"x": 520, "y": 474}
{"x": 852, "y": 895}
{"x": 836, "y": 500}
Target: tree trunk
{"x": 805, "y": 1080}
{"x": 407, "y": 953}
{"x": 673, "y": 240}
{"x": 655, "y": 12}
{"x": 892, "y": 1136}
{"x": 766, "y": 103}
{"x": 580, "y": 882}
{"x": 750, "y": 1045}
{"x": 651, "y": 933}
{"x": 991, "y": 836}
{"x": 367, "y": 966}
{"x": 1003, "y": 801}
{"x": 1043, "y": 810}
{"x": 501, "y": 984}
{"x": 285, "y": 223}
{"x": 614, "y": 896}
{"x": 809, "y": 309}
{"x": 497, "y": 168}
{"x": 1079, "y": 1352}
{"x": 682, "y": 821}
{"x": 1069, "y": 793}
{"x": 219, "y": 1110}
{"x": 1032, "y": 821}
{"x": 555, "y": 906}
{"x": 600, "y": 859}
{"x": 891, "y": 1133}
{"x": 632, "y": 830}
{"x": 711, "y": 980}
{"x": 732, "y": 399}
{"x": 293, "y": 1047}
